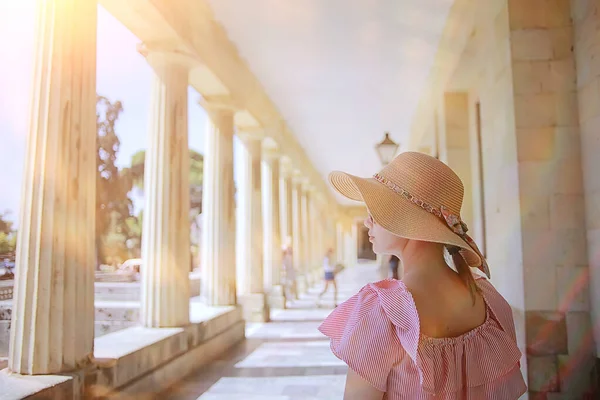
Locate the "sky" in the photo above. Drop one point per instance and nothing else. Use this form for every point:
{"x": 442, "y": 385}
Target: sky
{"x": 122, "y": 74}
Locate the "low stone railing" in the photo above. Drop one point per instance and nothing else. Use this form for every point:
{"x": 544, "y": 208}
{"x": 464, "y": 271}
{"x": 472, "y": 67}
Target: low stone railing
{"x": 6, "y": 289}
{"x": 138, "y": 362}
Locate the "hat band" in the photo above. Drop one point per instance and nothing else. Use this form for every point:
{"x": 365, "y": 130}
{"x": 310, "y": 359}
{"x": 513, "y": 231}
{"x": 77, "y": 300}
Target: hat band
{"x": 453, "y": 221}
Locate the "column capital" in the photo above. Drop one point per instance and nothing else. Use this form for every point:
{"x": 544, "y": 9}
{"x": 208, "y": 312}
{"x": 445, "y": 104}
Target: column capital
{"x": 287, "y": 170}
{"x": 298, "y": 178}
{"x": 218, "y": 104}
{"x": 250, "y": 133}
{"x": 161, "y": 53}
{"x": 271, "y": 155}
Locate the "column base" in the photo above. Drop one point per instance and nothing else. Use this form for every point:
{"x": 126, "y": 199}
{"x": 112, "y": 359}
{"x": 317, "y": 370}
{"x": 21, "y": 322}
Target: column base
{"x": 302, "y": 284}
{"x": 277, "y": 297}
{"x": 317, "y": 276}
{"x": 255, "y": 307}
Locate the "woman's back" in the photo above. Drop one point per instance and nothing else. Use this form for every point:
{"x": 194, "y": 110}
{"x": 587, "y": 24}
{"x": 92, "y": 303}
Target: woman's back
{"x": 445, "y": 305}
{"x": 378, "y": 334}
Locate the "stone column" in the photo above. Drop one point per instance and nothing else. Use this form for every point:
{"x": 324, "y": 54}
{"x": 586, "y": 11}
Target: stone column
{"x": 298, "y": 236}
{"x": 166, "y": 231}
{"x": 250, "y": 245}
{"x": 52, "y": 325}
{"x": 457, "y": 149}
{"x": 272, "y": 229}
{"x": 286, "y": 202}
{"x": 306, "y": 234}
{"x": 339, "y": 243}
{"x": 218, "y": 219}
{"x": 318, "y": 241}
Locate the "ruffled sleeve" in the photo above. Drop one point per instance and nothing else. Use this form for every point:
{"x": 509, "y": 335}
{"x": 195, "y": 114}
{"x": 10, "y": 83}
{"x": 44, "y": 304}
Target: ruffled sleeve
{"x": 363, "y": 337}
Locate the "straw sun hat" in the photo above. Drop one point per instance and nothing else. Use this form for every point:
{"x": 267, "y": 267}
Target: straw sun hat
{"x": 416, "y": 197}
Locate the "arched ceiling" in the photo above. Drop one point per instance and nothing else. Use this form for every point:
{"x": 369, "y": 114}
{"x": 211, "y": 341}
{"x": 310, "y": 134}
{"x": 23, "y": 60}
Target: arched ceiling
{"x": 341, "y": 72}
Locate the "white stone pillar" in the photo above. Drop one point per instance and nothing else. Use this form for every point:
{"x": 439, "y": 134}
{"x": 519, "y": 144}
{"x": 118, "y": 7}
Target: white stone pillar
{"x": 306, "y": 236}
{"x": 218, "y": 204}
{"x": 286, "y": 202}
{"x": 298, "y": 236}
{"x": 250, "y": 240}
{"x": 272, "y": 229}
{"x": 166, "y": 231}
{"x": 52, "y": 324}
{"x": 315, "y": 225}
{"x": 339, "y": 243}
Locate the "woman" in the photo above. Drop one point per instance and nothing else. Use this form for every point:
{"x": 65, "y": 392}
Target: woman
{"x": 443, "y": 331}
{"x": 329, "y": 278}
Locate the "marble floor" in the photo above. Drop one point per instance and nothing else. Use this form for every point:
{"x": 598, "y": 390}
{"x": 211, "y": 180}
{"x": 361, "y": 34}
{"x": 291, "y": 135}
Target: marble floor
{"x": 285, "y": 359}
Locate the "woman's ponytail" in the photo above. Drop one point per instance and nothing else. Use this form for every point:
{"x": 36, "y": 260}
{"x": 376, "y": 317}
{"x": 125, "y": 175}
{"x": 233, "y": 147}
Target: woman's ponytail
{"x": 464, "y": 271}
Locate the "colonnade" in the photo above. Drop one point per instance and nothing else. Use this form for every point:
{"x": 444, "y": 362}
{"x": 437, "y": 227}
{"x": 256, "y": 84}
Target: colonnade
{"x": 53, "y": 306}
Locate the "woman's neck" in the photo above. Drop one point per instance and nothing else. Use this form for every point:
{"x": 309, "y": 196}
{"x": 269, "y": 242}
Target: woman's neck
{"x": 423, "y": 260}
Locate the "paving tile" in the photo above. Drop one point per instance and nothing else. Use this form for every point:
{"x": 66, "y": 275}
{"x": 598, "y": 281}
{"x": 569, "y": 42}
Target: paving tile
{"x": 285, "y": 359}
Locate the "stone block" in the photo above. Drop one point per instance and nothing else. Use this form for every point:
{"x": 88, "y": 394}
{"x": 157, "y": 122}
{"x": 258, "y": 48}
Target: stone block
{"x": 567, "y": 143}
{"x": 531, "y": 44}
{"x": 587, "y": 27}
{"x": 535, "y": 110}
{"x": 529, "y": 76}
{"x": 535, "y": 144}
{"x": 566, "y": 109}
{"x": 546, "y": 333}
{"x": 535, "y": 178}
{"x": 134, "y": 352}
{"x": 580, "y": 9}
{"x": 562, "y": 43}
{"x": 538, "y": 247}
{"x": 592, "y": 210}
{"x": 535, "y": 212}
{"x": 526, "y": 14}
{"x": 575, "y": 374}
{"x": 568, "y": 177}
{"x": 542, "y": 374}
{"x": 561, "y": 76}
{"x": 590, "y": 145}
{"x": 557, "y": 13}
{"x": 589, "y": 100}
{"x": 569, "y": 247}
{"x": 567, "y": 211}
{"x": 540, "y": 287}
{"x": 277, "y": 297}
{"x": 255, "y": 307}
{"x": 573, "y": 289}
{"x": 580, "y": 334}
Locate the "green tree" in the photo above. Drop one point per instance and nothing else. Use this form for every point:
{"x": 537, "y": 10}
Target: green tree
{"x": 113, "y": 205}
{"x": 136, "y": 174}
{"x": 8, "y": 237}
{"x": 6, "y": 226}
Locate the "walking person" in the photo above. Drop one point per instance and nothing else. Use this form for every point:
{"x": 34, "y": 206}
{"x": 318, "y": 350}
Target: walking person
{"x": 329, "y": 276}
{"x": 443, "y": 332}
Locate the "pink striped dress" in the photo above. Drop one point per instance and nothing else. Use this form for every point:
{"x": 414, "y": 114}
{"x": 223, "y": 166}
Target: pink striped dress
{"x": 376, "y": 332}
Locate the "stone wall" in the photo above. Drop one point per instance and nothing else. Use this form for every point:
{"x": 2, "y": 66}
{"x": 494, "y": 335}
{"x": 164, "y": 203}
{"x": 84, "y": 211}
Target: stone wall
{"x": 519, "y": 64}
{"x": 586, "y": 20}
{"x": 559, "y": 344}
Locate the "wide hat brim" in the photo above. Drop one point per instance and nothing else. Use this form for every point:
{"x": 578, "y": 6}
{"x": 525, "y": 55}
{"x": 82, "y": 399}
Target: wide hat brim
{"x": 398, "y": 215}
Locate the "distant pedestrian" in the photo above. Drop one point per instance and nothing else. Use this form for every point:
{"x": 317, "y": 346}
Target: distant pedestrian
{"x": 329, "y": 276}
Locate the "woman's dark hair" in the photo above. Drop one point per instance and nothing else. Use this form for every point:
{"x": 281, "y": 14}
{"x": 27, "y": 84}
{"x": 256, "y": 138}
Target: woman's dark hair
{"x": 464, "y": 271}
